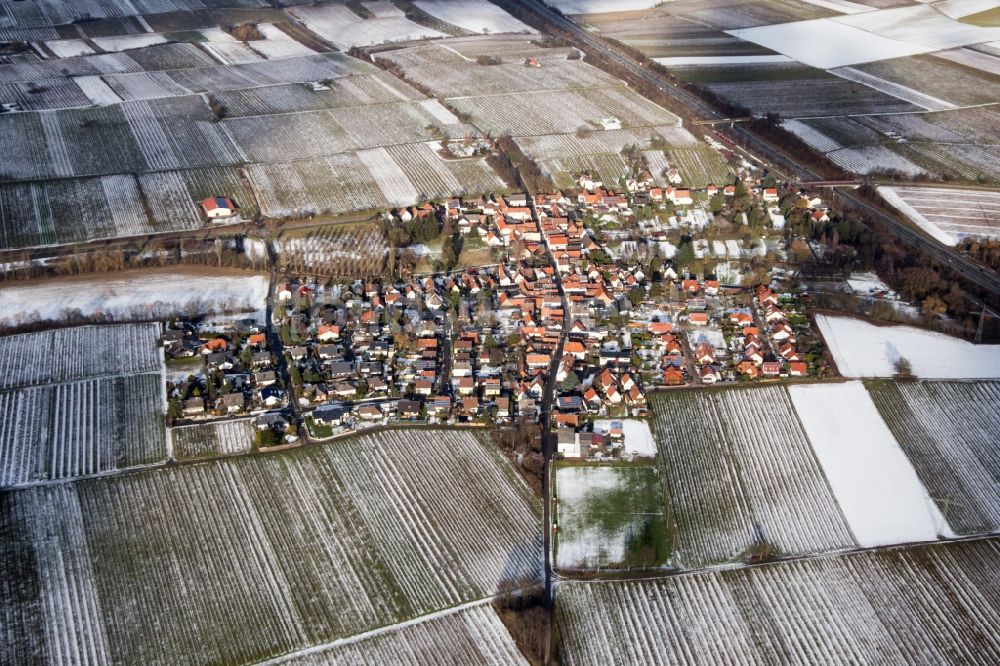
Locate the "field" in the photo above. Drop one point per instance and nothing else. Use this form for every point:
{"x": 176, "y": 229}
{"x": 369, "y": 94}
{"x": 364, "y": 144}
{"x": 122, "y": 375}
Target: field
{"x": 344, "y": 29}
{"x": 874, "y": 483}
{"x": 473, "y": 15}
{"x": 949, "y": 215}
{"x": 934, "y": 604}
{"x": 826, "y": 96}
{"x": 212, "y": 440}
{"x": 948, "y": 430}
{"x": 861, "y": 349}
{"x": 473, "y": 634}
{"x": 700, "y": 165}
{"x": 131, "y": 295}
{"x": 943, "y": 79}
{"x": 740, "y": 471}
{"x": 80, "y": 401}
{"x": 287, "y": 550}
{"x": 610, "y": 516}
{"x": 338, "y": 250}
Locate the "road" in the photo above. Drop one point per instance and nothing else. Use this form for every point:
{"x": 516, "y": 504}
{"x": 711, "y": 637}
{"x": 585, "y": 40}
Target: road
{"x": 275, "y": 345}
{"x": 773, "y": 156}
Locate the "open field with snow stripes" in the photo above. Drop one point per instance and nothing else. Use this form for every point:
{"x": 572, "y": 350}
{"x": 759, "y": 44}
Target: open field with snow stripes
{"x": 739, "y": 470}
{"x": 936, "y": 604}
{"x": 949, "y": 432}
{"x": 81, "y": 352}
{"x": 285, "y": 551}
{"x": 473, "y": 635}
{"x": 80, "y": 401}
{"x": 211, "y": 440}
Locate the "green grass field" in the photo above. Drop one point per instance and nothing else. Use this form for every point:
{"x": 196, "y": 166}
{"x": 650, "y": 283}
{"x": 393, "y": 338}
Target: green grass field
{"x": 610, "y": 516}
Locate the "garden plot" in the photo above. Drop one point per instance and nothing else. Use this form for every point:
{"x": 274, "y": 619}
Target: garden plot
{"x": 471, "y": 634}
{"x": 32, "y": 359}
{"x": 473, "y": 16}
{"x": 212, "y": 440}
{"x": 739, "y": 471}
{"x": 861, "y": 349}
{"x": 81, "y": 428}
{"x": 343, "y": 28}
{"x": 132, "y": 295}
{"x": 337, "y": 250}
{"x": 637, "y": 439}
{"x": 876, "y": 487}
{"x": 286, "y": 551}
{"x": 929, "y": 604}
{"x": 949, "y": 430}
{"x": 948, "y": 215}
{"x": 610, "y": 517}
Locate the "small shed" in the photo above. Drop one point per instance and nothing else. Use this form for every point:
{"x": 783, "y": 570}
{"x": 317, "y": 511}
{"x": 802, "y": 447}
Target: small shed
{"x": 219, "y": 207}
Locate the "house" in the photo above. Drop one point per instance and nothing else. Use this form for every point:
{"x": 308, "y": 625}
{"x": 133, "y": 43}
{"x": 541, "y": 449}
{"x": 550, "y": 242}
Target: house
{"x": 232, "y": 402}
{"x": 698, "y": 319}
{"x": 264, "y": 378}
{"x": 798, "y": 369}
{"x": 271, "y": 421}
{"x": 673, "y": 376}
{"x": 408, "y": 409}
{"x": 369, "y": 413}
{"x": 709, "y": 375}
{"x": 569, "y": 445}
{"x": 771, "y": 368}
{"x": 331, "y": 413}
{"x": 441, "y": 405}
{"x": 218, "y": 207}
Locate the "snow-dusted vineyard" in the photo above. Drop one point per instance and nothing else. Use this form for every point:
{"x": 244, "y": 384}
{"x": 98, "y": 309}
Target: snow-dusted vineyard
{"x": 874, "y": 159}
{"x": 339, "y": 251}
{"x": 286, "y": 551}
{"x": 473, "y": 15}
{"x": 949, "y": 432}
{"x": 344, "y": 29}
{"x": 933, "y": 604}
{"x": 471, "y": 635}
{"x": 132, "y": 295}
{"x": 70, "y": 354}
{"x": 610, "y": 168}
{"x": 946, "y": 213}
{"x": 739, "y": 470}
{"x": 61, "y": 431}
{"x": 211, "y": 440}
{"x": 700, "y": 165}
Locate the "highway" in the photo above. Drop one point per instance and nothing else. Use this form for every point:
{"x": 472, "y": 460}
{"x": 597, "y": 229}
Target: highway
{"x": 774, "y": 157}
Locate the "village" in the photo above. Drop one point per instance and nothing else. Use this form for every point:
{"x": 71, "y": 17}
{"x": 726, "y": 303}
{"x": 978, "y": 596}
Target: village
{"x": 595, "y": 299}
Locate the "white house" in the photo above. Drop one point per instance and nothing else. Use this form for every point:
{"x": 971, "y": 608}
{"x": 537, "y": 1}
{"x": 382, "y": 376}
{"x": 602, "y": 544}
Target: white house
{"x": 218, "y": 207}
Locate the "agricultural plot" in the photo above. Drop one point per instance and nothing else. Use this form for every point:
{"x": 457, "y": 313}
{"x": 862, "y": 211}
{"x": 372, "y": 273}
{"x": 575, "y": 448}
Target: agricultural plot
{"x": 473, "y": 634}
{"x": 948, "y": 215}
{"x": 131, "y": 295}
{"x": 473, "y": 16}
{"x": 876, "y": 487}
{"x": 58, "y": 12}
{"x": 74, "y": 210}
{"x": 869, "y": 160}
{"x": 700, "y": 165}
{"x": 212, "y": 440}
{"x": 609, "y": 168}
{"x": 287, "y": 551}
{"x": 861, "y": 349}
{"x": 343, "y": 28}
{"x": 943, "y": 79}
{"x": 826, "y": 96}
{"x": 339, "y": 251}
{"x": 91, "y": 426}
{"x": 739, "y": 471}
{"x": 610, "y": 516}
{"x": 32, "y": 359}
{"x": 948, "y": 430}
{"x": 930, "y": 604}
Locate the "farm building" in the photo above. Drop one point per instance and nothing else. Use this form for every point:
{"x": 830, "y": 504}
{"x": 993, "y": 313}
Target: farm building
{"x": 218, "y": 207}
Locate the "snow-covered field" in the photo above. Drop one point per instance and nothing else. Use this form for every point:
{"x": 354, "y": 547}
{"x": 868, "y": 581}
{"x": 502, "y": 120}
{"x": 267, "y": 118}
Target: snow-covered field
{"x": 470, "y": 634}
{"x": 68, "y": 48}
{"x": 126, "y": 42}
{"x": 934, "y": 604}
{"x": 137, "y": 295}
{"x": 277, "y": 44}
{"x": 981, "y": 61}
{"x": 344, "y": 29}
{"x": 947, "y": 214}
{"x": 740, "y": 471}
{"x": 867, "y": 160}
{"x": 636, "y": 436}
{"x": 872, "y": 35}
{"x": 949, "y": 431}
{"x": 865, "y": 350}
{"x": 601, "y": 510}
{"x": 600, "y": 6}
{"x": 875, "y": 485}
{"x": 210, "y": 440}
{"x": 248, "y": 558}
{"x": 866, "y": 283}
{"x": 473, "y": 15}
{"x": 691, "y": 61}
